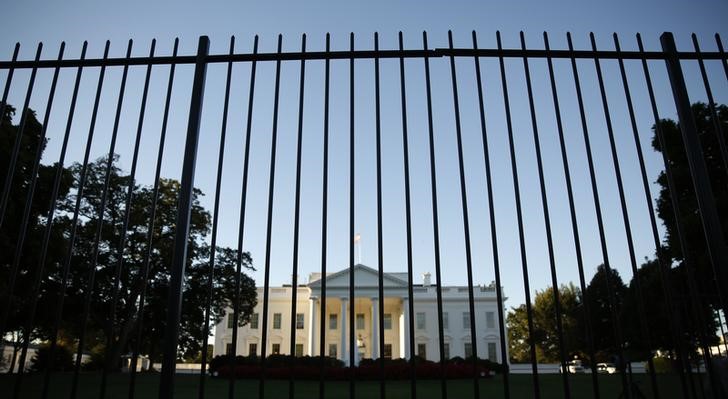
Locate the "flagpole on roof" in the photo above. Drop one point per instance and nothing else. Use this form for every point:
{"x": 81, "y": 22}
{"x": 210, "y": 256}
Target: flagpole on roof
{"x": 357, "y": 242}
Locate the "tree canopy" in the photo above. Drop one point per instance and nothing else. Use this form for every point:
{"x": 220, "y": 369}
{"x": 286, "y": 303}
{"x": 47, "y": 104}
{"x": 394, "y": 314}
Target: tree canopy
{"x": 692, "y": 312}
{"x": 545, "y": 332}
{"x": 132, "y": 277}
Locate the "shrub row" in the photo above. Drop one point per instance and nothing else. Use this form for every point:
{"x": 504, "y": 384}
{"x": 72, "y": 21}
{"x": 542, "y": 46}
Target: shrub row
{"x": 309, "y": 368}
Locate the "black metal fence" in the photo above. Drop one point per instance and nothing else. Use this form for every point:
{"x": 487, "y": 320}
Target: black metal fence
{"x": 473, "y": 121}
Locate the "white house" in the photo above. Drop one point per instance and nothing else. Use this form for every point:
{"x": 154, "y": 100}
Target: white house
{"x": 456, "y": 319}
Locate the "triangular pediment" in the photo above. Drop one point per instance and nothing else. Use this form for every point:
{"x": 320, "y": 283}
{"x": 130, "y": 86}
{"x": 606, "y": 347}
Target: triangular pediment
{"x": 364, "y": 277}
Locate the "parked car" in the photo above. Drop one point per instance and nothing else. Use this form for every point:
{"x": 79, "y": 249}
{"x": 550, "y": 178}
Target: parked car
{"x": 606, "y": 368}
{"x": 573, "y": 367}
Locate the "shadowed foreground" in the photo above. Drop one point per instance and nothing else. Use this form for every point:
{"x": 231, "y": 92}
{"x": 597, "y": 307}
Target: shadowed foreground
{"x": 187, "y": 385}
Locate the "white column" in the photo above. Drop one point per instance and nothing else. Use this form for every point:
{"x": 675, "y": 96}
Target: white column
{"x": 405, "y": 333}
{"x": 376, "y": 317}
{"x": 342, "y": 345}
{"x": 311, "y": 326}
{"x": 401, "y": 326}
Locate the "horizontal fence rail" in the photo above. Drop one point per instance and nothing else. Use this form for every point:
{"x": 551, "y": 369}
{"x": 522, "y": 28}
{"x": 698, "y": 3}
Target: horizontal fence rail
{"x": 530, "y": 168}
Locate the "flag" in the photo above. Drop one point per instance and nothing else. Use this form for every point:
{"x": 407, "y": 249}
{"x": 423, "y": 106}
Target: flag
{"x": 357, "y": 237}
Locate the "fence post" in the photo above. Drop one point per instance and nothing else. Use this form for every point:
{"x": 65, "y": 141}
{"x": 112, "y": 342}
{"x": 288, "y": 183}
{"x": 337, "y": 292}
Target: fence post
{"x": 179, "y": 259}
{"x": 698, "y": 170}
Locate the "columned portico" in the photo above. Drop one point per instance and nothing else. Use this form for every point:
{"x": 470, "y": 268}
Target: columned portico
{"x": 370, "y": 326}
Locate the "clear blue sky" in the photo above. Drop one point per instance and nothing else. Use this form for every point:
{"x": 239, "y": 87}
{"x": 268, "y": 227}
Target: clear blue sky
{"x": 28, "y": 22}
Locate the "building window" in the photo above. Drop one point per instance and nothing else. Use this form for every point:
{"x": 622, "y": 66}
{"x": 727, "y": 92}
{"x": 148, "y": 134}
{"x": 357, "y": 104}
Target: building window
{"x": 332, "y": 349}
{"x": 254, "y": 321}
{"x": 252, "y": 349}
{"x": 299, "y": 321}
{"x": 360, "y": 321}
{"x": 446, "y": 352}
{"x": 466, "y": 320}
{"x": 387, "y": 352}
{"x": 468, "y": 350}
{"x": 387, "y": 322}
{"x": 277, "y": 321}
{"x": 299, "y": 350}
{"x": 489, "y": 320}
{"x": 230, "y": 320}
{"x": 422, "y": 351}
{"x": 445, "y": 321}
{"x": 333, "y": 321}
{"x": 229, "y": 349}
{"x": 491, "y": 352}
{"x": 276, "y": 349}
{"x": 421, "y": 320}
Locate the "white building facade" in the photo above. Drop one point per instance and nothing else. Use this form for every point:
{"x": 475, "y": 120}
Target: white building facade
{"x": 456, "y": 320}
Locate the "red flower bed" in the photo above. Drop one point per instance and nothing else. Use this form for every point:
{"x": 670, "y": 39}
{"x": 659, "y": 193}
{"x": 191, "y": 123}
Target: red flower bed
{"x": 370, "y": 371}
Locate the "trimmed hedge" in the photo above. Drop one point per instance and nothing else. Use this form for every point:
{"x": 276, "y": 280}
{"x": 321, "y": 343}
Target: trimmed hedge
{"x": 309, "y": 368}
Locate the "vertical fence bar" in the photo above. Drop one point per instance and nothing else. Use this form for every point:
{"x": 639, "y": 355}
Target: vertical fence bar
{"x": 49, "y": 225}
{"x": 408, "y": 220}
{"x": 435, "y": 219}
{"x": 625, "y": 218}
{"x": 7, "y": 185}
{"x": 79, "y": 196}
{"x": 8, "y": 83}
{"x": 179, "y": 260}
{"x": 216, "y": 218}
{"x": 324, "y": 223}
{"x": 352, "y": 162}
{"x": 574, "y": 225}
{"x": 6, "y": 194}
{"x": 547, "y": 224}
{"x": 241, "y": 222}
{"x": 90, "y": 282}
{"x": 466, "y": 223}
{"x": 110, "y": 329}
{"x": 519, "y": 215}
{"x": 600, "y": 221}
{"x": 144, "y": 276}
{"x": 297, "y": 216}
{"x": 3, "y": 105}
{"x": 698, "y": 170}
{"x": 380, "y": 231}
{"x": 493, "y": 230}
{"x": 24, "y": 223}
{"x": 269, "y": 227}
{"x": 723, "y": 59}
{"x": 717, "y": 126}
{"x": 701, "y": 183}
{"x": 662, "y": 265}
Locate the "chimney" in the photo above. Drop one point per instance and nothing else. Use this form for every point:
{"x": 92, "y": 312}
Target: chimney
{"x": 426, "y": 279}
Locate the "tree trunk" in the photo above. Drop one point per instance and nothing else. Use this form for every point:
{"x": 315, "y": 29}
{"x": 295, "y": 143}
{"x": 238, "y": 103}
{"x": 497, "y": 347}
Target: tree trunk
{"x": 16, "y": 348}
{"x": 118, "y": 345}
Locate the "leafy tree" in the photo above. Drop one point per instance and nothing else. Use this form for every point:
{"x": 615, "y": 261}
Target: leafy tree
{"x": 545, "y": 333}
{"x": 689, "y": 308}
{"x": 518, "y": 342}
{"x": 600, "y": 310}
{"x": 689, "y": 213}
{"x": 684, "y": 313}
{"x": 62, "y": 358}
{"x": 133, "y": 262}
{"x": 32, "y": 144}
{"x": 130, "y": 285}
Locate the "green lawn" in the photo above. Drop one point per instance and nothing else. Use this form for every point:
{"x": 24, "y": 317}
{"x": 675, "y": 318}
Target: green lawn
{"x": 186, "y": 387}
